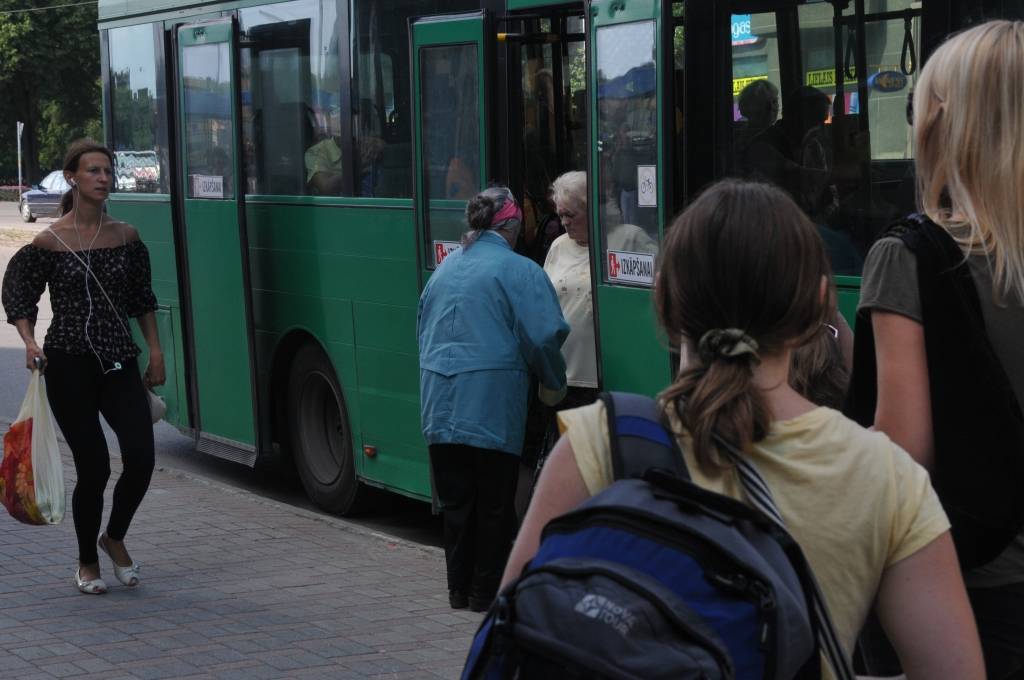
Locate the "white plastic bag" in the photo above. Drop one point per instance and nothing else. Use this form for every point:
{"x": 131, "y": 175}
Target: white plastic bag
{"x": 31, "y": 471}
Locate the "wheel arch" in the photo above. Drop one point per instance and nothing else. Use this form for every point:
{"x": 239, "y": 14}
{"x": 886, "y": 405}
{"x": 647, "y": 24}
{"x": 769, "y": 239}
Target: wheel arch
{"x": 280, "y": 368}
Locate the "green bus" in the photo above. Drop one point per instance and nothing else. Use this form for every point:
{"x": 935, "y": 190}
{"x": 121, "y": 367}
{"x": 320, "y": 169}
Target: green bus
{"x": 298, "y": 169}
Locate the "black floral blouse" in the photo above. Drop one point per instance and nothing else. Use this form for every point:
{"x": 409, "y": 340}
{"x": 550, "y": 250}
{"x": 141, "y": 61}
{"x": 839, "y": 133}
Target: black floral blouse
{"x": 125, "y": 274}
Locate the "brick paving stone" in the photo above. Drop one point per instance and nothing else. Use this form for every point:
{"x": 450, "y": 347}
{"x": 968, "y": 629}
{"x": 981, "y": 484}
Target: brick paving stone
{"x": 234, "y": 586}
{"x": 61, "y": 670}
{"x": 94, "y": 665}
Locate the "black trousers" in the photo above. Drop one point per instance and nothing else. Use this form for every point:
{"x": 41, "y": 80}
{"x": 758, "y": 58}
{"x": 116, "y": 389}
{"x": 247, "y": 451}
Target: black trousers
{"x": 476, "y": 489}
{"x": 79, "y": 391}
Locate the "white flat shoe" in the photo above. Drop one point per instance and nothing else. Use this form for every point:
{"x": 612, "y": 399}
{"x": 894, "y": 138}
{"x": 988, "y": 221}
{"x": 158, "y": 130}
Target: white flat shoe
{"x": 94, "y": 587}
{"x": 129, "y": 576}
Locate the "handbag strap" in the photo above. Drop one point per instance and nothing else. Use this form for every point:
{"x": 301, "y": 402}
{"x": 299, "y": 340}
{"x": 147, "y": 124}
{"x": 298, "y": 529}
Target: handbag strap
{"x": 761, "y": 498}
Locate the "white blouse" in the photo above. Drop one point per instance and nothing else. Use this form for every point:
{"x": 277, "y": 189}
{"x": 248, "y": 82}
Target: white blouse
{"x": 568, "y": 267}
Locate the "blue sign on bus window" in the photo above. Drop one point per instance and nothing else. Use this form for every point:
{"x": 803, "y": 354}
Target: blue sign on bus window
{"x": 741, "y": 34}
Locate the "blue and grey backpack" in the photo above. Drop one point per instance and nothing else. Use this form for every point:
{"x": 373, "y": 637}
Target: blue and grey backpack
{"x": 655, "y": 577}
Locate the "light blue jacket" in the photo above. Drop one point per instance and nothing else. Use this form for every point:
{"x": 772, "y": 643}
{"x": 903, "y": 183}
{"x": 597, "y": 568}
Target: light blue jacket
{"x": 488, "y": 319}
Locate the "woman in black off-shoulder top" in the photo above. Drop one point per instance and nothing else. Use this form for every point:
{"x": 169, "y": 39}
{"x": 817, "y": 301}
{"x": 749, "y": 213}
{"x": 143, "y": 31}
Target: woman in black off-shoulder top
{"x": 98, "y": 273}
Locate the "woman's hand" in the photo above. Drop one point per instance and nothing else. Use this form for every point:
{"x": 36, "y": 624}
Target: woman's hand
{"x": 155, "y": 371}
{"x": 32, "y": 352}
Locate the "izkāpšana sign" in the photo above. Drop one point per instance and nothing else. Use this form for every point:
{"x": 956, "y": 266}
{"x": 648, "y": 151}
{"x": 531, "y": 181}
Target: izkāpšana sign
{"x": 626, "y": 267}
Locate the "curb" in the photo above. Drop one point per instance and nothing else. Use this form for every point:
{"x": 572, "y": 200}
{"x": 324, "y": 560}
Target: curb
{"x": 335, "y": 522}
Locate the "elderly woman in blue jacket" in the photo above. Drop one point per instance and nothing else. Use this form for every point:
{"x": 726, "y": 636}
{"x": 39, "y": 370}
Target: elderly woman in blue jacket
{"x": 488, "y": 320}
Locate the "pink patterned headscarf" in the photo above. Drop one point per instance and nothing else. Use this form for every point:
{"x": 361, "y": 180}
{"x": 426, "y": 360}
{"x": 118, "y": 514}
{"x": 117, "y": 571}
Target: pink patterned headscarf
{"x": 509, "y": 211}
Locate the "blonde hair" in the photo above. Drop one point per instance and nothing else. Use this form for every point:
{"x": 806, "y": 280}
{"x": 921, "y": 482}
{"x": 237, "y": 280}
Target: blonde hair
{"x": 969, "y": 138}
{"x": 570, "y": 187}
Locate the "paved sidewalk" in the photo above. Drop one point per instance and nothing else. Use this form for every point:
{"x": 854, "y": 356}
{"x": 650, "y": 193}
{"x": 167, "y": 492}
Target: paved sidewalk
{"x": 233, "y": 586}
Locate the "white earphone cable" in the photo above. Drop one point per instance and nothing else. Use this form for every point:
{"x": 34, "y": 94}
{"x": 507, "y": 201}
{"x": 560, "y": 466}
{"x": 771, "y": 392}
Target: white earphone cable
{"x": 87, "y": 264}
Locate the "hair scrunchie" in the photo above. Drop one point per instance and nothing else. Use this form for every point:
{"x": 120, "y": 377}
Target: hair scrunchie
{"x": 726, "y": 343}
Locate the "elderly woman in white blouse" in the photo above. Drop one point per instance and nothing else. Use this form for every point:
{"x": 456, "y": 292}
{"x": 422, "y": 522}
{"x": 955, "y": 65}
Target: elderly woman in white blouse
{"x": 568, "y": 266}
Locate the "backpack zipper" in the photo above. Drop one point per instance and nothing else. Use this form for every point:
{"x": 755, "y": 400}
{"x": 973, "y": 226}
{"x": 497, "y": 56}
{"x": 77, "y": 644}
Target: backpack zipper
{"x": 721, "y": 656}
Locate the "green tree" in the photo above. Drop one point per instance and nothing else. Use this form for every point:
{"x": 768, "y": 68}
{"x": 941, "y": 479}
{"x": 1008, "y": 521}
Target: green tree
{"x": 49, "y": 74}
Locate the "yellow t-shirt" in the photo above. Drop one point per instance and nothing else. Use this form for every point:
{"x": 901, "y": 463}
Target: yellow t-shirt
{"x": 854, "y": 501}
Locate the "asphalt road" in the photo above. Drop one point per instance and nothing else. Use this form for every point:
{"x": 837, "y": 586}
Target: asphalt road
{"x": 394, "y": 515}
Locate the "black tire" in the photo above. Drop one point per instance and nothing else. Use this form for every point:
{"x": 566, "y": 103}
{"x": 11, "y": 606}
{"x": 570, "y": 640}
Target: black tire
{"x": 26, "y": 212}
{"x": 319, "y": 434}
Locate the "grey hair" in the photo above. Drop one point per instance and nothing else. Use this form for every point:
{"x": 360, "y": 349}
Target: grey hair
{"x": 480, "y": 211}
{"x": 570, "y": 187}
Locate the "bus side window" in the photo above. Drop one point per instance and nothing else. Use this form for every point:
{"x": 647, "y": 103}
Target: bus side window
{"x": 382, "y": 125}
{"x": 138, "y": 124}
{"x": 836, "y": 140}
{"x": 290, "y": 114}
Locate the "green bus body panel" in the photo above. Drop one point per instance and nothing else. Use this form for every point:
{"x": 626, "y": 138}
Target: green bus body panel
{"x": 848, "y": 292}
{"x": 205, "y": 34}
{"x": 152, "y": 219}
{"x": 607, "y": 12}
{"x": 453, "y": 31}
{"x": 346, "y": 276}
{"x": 219, "y": 327}
{"x": 633, "y": 357}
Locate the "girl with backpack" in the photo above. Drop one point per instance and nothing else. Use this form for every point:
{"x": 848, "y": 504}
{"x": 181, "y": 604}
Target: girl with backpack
{"x": 938, "y": 361}
{"x": 744, "y": 280}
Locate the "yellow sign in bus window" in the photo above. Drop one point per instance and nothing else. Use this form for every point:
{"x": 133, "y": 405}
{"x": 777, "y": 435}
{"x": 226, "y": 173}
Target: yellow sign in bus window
{"x": 739, "y": 83}
{"x": 825, "y": 78}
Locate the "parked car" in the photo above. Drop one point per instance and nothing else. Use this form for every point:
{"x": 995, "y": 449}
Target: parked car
{"x": 44, "y": 199}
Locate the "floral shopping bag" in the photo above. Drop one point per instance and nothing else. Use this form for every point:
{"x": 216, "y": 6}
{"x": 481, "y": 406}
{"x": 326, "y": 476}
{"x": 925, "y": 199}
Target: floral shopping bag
{"x": 31, "y": 472}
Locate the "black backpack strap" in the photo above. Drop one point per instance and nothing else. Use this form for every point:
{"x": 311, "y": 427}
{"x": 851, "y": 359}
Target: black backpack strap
{"x": 639, "y": 441}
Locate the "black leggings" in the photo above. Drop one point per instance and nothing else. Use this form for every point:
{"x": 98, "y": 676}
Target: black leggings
{"x": 79, "y": 392}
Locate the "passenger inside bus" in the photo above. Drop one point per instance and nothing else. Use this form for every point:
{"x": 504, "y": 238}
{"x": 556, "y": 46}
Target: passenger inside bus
{"x": 323, "y": 160}
{"x": 759, "y": 106}
{"x": 793, "y": 152}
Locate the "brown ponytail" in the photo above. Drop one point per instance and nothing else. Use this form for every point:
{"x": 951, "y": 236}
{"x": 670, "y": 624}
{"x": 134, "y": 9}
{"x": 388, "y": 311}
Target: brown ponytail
{"x": 76, "y": 150}
{"x": 741, "y": 269}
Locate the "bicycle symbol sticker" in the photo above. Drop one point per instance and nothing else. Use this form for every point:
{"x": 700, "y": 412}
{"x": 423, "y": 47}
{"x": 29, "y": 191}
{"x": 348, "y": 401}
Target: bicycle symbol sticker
{"x": 647, "y": 186}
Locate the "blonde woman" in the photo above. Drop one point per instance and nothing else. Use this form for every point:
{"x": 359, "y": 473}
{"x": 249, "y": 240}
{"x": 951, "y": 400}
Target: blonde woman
{"x": 943, "y": 302}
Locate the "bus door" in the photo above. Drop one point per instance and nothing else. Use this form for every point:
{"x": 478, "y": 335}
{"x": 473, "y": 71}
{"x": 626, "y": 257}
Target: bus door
{"x": 214, "y": 243}
{"x": 628, "y": 76}
{"x": 450, "y": 132}
{"x": 545, "y": 113}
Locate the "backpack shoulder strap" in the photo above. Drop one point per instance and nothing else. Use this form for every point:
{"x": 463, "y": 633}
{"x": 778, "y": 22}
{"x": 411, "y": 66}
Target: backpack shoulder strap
{"x": 638, "y": 439}
{"x": 760, "y": 497}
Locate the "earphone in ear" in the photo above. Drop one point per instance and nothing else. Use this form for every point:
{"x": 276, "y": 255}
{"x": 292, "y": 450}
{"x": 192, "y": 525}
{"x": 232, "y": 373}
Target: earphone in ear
{"x": 73, "y": 183}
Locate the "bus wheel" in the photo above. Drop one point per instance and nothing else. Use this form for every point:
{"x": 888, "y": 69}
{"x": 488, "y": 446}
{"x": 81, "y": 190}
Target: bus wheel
{"x": 319, "y": 434}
